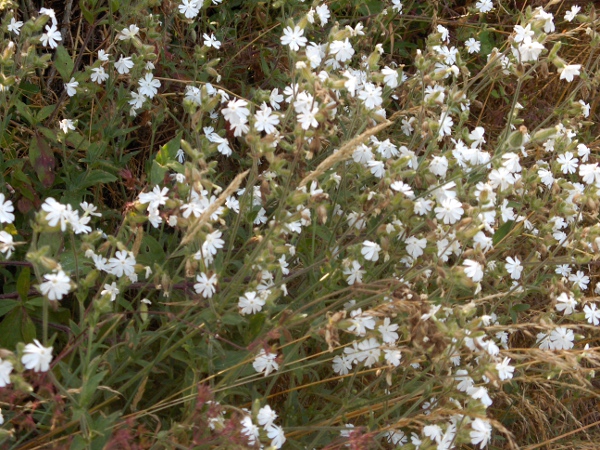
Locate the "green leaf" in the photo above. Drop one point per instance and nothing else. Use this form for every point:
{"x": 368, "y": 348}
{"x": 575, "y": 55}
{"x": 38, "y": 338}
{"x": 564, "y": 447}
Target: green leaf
{"x": 63, "y": 63}
{"x": 24, "y": 112}
{"x": 16, "y": 327}
{"x": 44, "y": 113}
{"x": 89, "y": 388}
{"x": 7, "y": 306}
{"x": 502, "y": 232}
{"x": 23, "y": 283}
{"x": 232, "y": 319}
{"x": 95, "y": 177}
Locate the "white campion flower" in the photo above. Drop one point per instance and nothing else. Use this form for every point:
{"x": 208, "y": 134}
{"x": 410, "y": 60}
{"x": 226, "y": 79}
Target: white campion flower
{"x": 123, "y": 263}
{"x": 481, "y": 432}
{"x": 6, "y": 367}
{"x": 265, "y": 362}
{"x": 66, "y": 125}
{"x": 484, "y": 6}
{"x": 472, "y": 45}
{"x": 445, "y": 124}
{"x": 129, "y": 33}
{"x": 505, "y": 370}
{"x": 371, "y": 95}
{"x": 250, "y": 303}
{"x": 592, "y": 314}
{"x": 98, "y": 75}
{"x": 566, "y": 303}
{"x": 211, "y": 41}
{"x": 342, "y": 50}
{"x": 473, "y": 270}
{"x": 56, "y": 286}
{"x": 569, "y": 71}
{"x": 206, "y": 286}
{"x": 71, "y": 87}
{"x": 354, "y": 273}
{"x": 572, "y": 13}
{"x": 561, "y": 338}
{"x": 37, "y": 357}
{"x": 6, "y": 243}
{"x": 370, "y": 250}
{"x": 51, "y": 37}
{"x": 390, "y": 77}
{"x": 450, "y": 211}
{"x": 293, "y": 38}
{"x": 112, "y": 290}
{"x": 513, "y": 267}
{"x": 265, "y": 120}
{"x": 266, "y": 416}
{"x": 190, "y": 8}
{"x": 15, "y": 26}
{"x": 568, "y": 163}
{"x": 148, "y": 85}
{"x": 155, "y": 198}
{"x": 124, "y": 64}
{"x": 6, "y": 210}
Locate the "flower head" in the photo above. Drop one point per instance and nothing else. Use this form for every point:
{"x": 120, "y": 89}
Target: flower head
{"x": 37, "y": 357}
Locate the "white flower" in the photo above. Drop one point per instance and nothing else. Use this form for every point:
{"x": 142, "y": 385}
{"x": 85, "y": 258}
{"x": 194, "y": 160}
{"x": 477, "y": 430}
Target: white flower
{"x": 484, "y": 6}
{"x": 112, "y": 290}
{"x": 342, "y": 50}
{"x": 370, "y": 250}
{"x": 570, "y": 15}
{"x": 205, "y": 286}
{"x": 99, "y": 75}
{"x": 323, "y": 13}
{"x": 415, "y": 246}
{"x": 6, "y": 210}
{"x": 569, "y": 71}
{"x": 155, "y": 198}
{"x": 51, "y": 36}
{"x": 103, "y": 56}
{"x": 266, "y": 416}
{"x": 592, "y": 314}
{"x": 505, "y": 370}
{"x": 294, "y": 38}
{"x": 56, "y": 286}
{"x": 390, "y": 77}
{"x": 481, "y": 432}
{"x": 37, "y": 357}
{"x": 472, "y": 45}
{"x": 15, "y": 26}
{"x": 354, "y": 273}
{"x": 264, "y": 120}
{"x": 513, "y": 267}
{"x": 445, "y": 123}
{"x": 522, "y": 34}
{"x": 66, "y": 125}
{"x": 388, "y": 331}
{"x": 211, "y": 41}
{"x": 308, "y": 119}
{"x": 213, "y": 243}
{"x": 371, "y": 95}
{"x": 277, "y": 436}
{"x": 129, "y": 33}
{"x": 6, "y": 243}
{"x": 561, "y": 338}
{"x": 250, "y": 303}
{"x": 473, "y": 270}
{"x": 580, "y": 279}
{"x": 450, "y": 211}
{"x": 250, "y": 430}
{"x": 275, "y": 99}
{"x": 149, "y": 85}
{"x": 377, "y": 168}
{"x": 566, "y": 303}
{"x": 137, "y": 99}
{"x": 6, "y": 368}
{"x": 529, "y": 50}
{"x": 265, "y": 362}
{"x": 123, "y": 263}
{"x": 71, "y": 87}
{"x": 124, "y": 64}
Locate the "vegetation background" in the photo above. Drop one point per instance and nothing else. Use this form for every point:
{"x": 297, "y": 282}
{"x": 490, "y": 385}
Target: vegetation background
{"x": 284, "y": 224}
